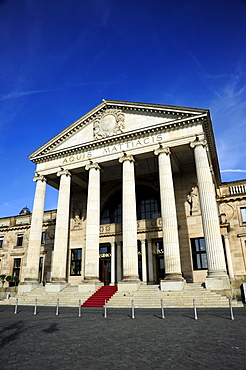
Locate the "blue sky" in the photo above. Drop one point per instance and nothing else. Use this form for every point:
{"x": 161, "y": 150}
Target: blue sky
{"x": 60, "y": 58}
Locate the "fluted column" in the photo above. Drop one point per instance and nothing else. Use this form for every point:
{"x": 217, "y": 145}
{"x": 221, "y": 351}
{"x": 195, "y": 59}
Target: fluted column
{"x": 59, "y": 265}
{"x": 144, "y": 261}
{"x": 92, "y": 224}
{"x": 33, "y": 254}
{"x": 129, "y": 220}
{"x": 209, "y": 211}
{"x": 113, "y": 263}
{"x": 169, "y": 217}
{"x": 150, "y": 261}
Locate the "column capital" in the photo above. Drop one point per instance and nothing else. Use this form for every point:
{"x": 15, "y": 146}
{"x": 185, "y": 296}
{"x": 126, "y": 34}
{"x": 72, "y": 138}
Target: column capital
{"x": 63, "y": 172}
{"x": 92, "y": 165}
{"x": 160, "y": 150}
{"x": 195, "y": 143}
{"x": 38, "y": 177}
{"x": 126, "y": 157}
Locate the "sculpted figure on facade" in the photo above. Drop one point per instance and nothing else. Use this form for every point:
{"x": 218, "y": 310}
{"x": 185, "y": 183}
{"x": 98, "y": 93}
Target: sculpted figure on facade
{"x": 77, "y": 222}
{"x": 109, "y": 123}
{"x": 193, "y": 200}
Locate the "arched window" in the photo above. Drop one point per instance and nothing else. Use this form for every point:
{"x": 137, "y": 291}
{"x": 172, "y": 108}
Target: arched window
{"x": 148, "y": 206}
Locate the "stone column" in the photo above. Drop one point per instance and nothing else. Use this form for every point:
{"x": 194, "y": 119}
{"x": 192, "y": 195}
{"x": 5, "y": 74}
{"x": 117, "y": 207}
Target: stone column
{"x": 228, "y": 256}
{"x": 59, "y": 263}
{"x": 144, "y": 261}
{"x": 112, "y": 264}
{"x": 119, "y": 272}
{"x": 129, "y": 227}
{"x": 91, "y": 281}
{"x": 173, "y": 276}
{"x": 217, "y": 277}
{"x": 150, "y": 262}
{"x": 33, "y": 254}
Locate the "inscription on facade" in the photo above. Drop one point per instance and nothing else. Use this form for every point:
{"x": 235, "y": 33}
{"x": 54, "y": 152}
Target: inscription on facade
{"x": 116, "y": 148}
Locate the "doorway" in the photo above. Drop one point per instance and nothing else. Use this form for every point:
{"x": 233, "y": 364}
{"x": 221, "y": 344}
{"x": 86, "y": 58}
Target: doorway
{"x": 160, "y": 264}
{"x": 105, "y": 263}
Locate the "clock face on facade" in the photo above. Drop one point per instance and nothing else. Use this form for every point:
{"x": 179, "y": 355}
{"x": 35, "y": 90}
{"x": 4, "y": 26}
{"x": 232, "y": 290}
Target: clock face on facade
{"x": 108, "y": 124}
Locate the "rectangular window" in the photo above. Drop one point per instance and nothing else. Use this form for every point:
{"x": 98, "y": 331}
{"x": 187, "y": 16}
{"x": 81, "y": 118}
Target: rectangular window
{"x": 199, "y": 254}
{"x": 19, "y": 240}
{"x": 1, "y": 241}
{"x": 16, "y": 268}
{"x": 243, "y": 214}
{"x": 76, "y": 258}
{"x": 43, "y": 237}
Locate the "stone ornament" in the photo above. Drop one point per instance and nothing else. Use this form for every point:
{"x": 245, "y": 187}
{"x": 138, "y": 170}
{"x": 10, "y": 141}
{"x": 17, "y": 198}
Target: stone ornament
{"x": 77, "y": 222}
{"x": 108, "y": 124}
{"x": 228, "y": 210}
{"x": 38, "y": 177}
{"x": 193, "y": 200}
{"x": 63, "y": 172}
{"x": 92, "y": 165}
{"x": 161, "y": 150}
{"x": 198, "y": 142}
{"x": 126, "y": 157}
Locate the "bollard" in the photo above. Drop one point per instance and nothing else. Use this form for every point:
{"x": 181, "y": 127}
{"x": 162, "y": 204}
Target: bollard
{"x": 105, "y": 309}
{"x": 16, "y": 306}
{"x": 79, "y": 307}
{"x": 162, "y": 310}
{"x": 195, "y": 313}
{"x": 35, "y": 307}
{"x": 57, "y": 307}
{"x": 133, "y": 313}
{"x": 231, "y": 311}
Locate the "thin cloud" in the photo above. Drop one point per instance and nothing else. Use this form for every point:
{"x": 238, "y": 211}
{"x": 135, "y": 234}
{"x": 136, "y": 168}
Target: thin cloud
{"x": 20, "y": 94}
{"x": 238, "y": 170}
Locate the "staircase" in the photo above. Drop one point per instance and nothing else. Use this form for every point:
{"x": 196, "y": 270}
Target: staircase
{"x": 68, "y": 297}
{"x": 98, "y": 299}
{"x": 149, "y": 296}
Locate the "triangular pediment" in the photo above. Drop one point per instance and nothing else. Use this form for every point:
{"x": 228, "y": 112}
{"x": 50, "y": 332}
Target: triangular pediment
{"x": 111, "y": 119}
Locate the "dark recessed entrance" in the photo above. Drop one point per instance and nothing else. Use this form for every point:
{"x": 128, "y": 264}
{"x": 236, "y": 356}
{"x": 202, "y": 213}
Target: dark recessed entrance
{"x": 105, "y": 263}
{"x": 160, "y": 266}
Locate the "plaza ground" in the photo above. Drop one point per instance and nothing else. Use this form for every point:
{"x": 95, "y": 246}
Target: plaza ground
{"x": 67, "y": 341}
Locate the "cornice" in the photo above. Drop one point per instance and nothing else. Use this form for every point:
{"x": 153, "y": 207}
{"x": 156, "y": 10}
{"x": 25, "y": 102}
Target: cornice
{"x": 165, "y": 126}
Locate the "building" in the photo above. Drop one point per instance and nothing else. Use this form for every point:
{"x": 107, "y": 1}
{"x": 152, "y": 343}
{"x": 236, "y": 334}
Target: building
{"x": 140, "y": 201}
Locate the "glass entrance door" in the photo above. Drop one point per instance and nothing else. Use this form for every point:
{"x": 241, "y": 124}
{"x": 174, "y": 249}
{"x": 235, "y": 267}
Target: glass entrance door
{"x": 105, "y": 263}
{"x": 160, "y": 265}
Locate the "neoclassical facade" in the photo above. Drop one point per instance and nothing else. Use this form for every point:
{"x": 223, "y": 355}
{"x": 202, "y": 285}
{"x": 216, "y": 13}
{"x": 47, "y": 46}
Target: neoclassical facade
{"x": 140, "y": 200}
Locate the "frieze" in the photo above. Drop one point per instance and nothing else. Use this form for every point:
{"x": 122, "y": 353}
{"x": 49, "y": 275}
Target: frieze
{"x": 115, "y": 148}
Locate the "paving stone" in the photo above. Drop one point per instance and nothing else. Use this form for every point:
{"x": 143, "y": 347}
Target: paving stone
{"x": 45, "y": 340}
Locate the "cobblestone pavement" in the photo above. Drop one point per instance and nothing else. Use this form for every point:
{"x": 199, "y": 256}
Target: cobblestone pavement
{"x": 67, "y": 341}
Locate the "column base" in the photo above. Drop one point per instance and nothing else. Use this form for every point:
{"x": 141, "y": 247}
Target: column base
{"x": 217, "y": 283}
{"x": 171, "y": 285}
{"x": 89, "y": 286}
{"x": 127, "y": 286}
{"x": 55, "y": 286}
{"x": 28, "y": 286}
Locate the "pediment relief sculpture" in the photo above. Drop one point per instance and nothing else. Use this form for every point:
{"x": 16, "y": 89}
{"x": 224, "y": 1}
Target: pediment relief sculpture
{"x": 109, "y": 123}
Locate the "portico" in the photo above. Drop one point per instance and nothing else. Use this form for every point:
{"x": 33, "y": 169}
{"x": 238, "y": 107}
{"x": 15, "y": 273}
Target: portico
{"x": 124, "y": 173}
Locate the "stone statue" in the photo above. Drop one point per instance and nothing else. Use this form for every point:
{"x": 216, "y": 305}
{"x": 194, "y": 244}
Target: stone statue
{"x": 193, "y": 200}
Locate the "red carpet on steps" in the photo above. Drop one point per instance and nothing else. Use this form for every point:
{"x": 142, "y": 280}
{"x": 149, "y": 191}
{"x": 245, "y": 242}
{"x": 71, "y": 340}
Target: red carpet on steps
{"x": 98, "y": 298}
